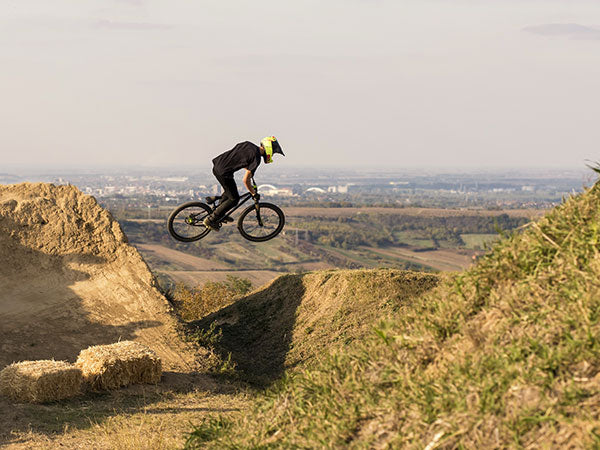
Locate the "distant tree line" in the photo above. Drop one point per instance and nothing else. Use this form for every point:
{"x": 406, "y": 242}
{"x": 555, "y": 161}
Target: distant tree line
{"x": 367, "y": 229}
{"x": 380, "y": 230}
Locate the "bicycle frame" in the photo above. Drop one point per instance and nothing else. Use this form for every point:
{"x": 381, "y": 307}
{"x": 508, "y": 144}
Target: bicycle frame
{"x": 243, "y": 199}
{"x": 195, "y": 213}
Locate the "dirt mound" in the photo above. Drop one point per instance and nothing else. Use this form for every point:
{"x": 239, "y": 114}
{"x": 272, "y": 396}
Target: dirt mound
{"x": 296, "y": 318}
{"x": 69, "y": 279}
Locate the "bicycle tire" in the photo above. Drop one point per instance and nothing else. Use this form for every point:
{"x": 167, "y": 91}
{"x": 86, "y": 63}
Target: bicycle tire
{"x": 174, "y": 222}
{"x": 244, "y": 219}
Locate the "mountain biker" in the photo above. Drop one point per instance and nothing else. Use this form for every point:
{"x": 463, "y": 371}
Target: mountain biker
{"x": 244, "y": 155}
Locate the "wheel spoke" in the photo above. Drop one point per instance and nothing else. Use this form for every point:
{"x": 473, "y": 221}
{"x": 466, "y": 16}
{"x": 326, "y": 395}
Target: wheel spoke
{"x": 187, "y": 223}
{"x": 270, "y": 223}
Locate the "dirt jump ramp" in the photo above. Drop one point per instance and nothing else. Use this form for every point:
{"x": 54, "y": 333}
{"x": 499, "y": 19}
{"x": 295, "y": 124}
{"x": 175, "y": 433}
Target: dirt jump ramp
{"x": 69, "y": 279}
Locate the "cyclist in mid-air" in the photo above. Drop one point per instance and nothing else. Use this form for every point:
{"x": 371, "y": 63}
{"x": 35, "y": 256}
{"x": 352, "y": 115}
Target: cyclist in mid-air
{"x": 244, "y": 155}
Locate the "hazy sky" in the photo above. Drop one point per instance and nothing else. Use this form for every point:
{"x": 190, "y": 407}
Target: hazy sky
{"x": 339, "y": 82}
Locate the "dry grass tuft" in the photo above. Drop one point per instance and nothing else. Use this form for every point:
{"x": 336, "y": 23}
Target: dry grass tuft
{"x": 112, "y": 366}
{"x": 40, "y": 381}
{"x": 196, "y": 303}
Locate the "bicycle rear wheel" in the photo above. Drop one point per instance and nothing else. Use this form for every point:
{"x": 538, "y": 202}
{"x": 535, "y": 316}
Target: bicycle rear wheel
{"x": 261, "y": 225}
{"x": 185, "y": 223}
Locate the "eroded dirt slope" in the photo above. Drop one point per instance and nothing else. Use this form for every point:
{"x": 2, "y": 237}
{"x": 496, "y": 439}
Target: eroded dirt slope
{"x": 69, "y": 279}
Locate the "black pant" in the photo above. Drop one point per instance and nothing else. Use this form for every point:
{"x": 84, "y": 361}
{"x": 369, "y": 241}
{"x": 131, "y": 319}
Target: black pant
{"x": 230, "y": 196}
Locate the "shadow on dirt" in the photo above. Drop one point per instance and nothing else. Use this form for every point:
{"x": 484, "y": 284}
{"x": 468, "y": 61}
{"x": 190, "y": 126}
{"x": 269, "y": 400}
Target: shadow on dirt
{"x": 43, "y": 317}
{"x": 257, "y": 330}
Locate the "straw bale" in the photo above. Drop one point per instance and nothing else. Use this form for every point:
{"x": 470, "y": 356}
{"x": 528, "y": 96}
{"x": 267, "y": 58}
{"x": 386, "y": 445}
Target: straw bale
{"x": 40, "y": 381}
{"x": 112, "y": 366}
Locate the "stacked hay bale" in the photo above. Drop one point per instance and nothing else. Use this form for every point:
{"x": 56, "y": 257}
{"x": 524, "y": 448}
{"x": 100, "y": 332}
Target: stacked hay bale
{"x": 103, "y": 367}
{"x": 40, "y": 381}
{"x": 106, "y": 367}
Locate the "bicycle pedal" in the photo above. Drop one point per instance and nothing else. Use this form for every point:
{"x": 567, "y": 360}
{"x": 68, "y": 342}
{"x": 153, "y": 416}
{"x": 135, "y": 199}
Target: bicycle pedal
{"x": 227, "y": 219}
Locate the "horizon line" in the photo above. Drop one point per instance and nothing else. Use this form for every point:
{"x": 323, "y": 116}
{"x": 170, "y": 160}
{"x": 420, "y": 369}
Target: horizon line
{"x": 8, "y": 168}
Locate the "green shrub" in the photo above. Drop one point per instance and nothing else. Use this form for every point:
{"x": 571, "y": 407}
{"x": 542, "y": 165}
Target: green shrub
{"x": 196, "y": 303}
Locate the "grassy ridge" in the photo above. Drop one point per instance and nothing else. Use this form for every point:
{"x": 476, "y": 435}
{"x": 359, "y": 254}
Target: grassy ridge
{"x": 298, "y": 317}
{"x": 506, "y": 354}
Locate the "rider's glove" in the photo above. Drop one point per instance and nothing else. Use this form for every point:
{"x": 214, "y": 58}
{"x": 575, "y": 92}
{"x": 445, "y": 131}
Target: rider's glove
{"x": 256, "y": 196}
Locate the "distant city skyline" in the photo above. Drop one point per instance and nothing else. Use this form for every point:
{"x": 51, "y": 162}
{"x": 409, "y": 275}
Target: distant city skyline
{"x": 134, "y": 189}
{"x": 455, "y": 84}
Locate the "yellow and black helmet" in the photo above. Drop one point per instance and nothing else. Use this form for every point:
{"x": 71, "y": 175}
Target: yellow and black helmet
{"x": 271, "y": 146}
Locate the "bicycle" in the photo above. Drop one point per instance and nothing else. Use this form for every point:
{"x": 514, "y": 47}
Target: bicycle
{"x": 185, "y": 222}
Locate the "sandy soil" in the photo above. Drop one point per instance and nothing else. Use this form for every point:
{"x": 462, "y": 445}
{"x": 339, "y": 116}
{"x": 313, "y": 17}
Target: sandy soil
{"x": 69, "y": 279}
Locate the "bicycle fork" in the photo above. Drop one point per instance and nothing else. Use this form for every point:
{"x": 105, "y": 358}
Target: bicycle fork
{"x": 258, "y": 218}
{"x": 256, "y": 206}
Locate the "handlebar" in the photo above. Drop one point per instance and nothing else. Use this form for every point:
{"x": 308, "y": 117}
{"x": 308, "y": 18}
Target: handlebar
{"x": 256, "y": 196}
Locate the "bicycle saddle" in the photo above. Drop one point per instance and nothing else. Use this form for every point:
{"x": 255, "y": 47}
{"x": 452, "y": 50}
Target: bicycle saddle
{"x": 211, "y": 200}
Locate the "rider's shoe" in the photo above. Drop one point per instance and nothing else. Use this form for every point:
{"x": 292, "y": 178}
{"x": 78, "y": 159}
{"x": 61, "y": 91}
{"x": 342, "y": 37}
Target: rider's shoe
{"x": 211, "y": 225}
{"x": 227, "y": 219}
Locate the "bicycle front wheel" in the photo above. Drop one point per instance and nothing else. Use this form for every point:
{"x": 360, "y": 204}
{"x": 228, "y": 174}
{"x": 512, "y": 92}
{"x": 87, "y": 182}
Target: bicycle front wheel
{"x": 262, "y": 223}
{"x": 185, "y": 223}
